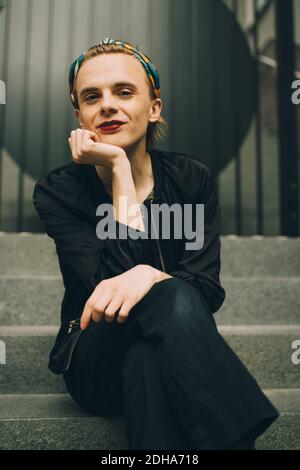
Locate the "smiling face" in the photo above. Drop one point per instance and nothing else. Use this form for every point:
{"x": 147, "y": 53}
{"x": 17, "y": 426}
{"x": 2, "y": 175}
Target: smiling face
{"x": 115, "y": 87}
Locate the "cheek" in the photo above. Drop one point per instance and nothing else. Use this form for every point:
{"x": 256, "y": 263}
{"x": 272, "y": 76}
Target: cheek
{"x": 88, "y": 114}
{"x": 141, "y": 117}
{"x": 136, "y": 109}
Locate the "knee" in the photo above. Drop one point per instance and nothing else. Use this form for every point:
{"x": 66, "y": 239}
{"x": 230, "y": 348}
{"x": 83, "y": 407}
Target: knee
{"x": 185, "y": 307}
{"x": 173, "y": 307}
{"x": 185, "y": 299}
{"x": 175, "y": 287}
{"x": 140, "y": 354}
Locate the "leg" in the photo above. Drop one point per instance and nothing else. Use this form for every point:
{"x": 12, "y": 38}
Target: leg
{"x": 112, "y": 377}
{"x": 150, "y": 423}
{"x": 245, "y": 443}
{"x": 212, "y": 396}
{"x": 94, "y": 377}
{"x": 211, "y": 393}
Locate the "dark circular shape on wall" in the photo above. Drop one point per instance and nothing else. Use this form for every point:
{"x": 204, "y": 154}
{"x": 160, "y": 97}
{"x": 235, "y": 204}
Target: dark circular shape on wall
{"x": 224, "y": 98}
{"x": 226, "y": 95}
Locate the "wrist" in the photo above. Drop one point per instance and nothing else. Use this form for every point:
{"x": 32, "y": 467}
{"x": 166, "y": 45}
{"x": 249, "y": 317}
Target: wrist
{"x": 120, "y": 164}
{"x": 158, "y": 275}
{"x": 161, "y": 276}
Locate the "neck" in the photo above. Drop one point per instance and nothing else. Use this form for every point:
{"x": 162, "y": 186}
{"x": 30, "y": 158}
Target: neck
{"x": 141, "y": 169}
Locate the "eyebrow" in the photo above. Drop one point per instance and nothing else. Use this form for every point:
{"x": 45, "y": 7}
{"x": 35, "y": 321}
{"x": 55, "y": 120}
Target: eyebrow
{"x": 87, "y": 90}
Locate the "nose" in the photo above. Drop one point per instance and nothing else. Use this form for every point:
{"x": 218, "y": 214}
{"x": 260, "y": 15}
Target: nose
{"x": 108, "y": 103}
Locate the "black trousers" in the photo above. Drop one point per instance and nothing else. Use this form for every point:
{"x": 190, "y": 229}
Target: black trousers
{"x": 170, "y": 373}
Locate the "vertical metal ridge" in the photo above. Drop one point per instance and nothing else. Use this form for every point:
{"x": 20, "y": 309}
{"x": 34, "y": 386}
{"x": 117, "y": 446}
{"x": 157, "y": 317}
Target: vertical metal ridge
{"x": 71, "y": 29}
{"x": 25, "y": 108}
{"x": 237, "y": 168}
{"x": 3, "y": 107}
{"x": 48, "y": 87}
{"x": 259, "y": 189}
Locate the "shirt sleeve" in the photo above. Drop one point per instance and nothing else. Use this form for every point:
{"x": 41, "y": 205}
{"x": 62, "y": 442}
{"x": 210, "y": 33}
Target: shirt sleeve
{"x": 201, "y": 267}
{"x": 79, "y": 250}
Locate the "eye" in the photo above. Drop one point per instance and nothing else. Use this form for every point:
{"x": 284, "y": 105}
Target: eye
{"x": 93, "y": 97}
{"x": 127, "y": 92}
{"x": 90, "y": 97}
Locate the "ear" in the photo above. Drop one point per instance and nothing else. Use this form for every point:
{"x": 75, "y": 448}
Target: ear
{"x": 155, "y": 110}
{"x": 78, "y": 117}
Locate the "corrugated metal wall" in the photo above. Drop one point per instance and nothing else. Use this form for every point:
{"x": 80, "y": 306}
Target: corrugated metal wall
{"x": 207, "y": 83}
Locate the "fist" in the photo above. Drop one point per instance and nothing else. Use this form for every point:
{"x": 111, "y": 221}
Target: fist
{"x": 87, "y": 148}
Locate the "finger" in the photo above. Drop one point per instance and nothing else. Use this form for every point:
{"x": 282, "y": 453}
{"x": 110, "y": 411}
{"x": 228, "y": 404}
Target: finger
{"x": 96, "y": 316}
{"x": 90, "y": 305}
{"x": 78, "y": 134}
{"x": 112, "y": 308}
{"x": 88, "y": 310}
{"x": 73, "y": 145}
{"x": 98, "y": 310}
{"x": 124, "y": 311}
{"x": 86, "y": 140}
{"x": 86, "y": 314}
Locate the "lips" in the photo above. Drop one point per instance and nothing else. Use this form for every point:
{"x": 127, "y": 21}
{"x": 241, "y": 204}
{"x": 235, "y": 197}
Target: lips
{"x": 115, "y": 125}
{"x": 111, "y": 123}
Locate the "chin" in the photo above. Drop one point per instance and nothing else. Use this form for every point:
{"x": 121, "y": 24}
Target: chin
{"x": 115, "y": 140}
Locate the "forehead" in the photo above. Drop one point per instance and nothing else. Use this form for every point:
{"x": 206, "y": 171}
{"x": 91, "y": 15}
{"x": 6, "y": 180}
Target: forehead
{"x": 105, "y": 69}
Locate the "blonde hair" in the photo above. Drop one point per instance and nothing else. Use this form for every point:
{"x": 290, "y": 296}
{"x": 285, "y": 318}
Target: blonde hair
{"x": 156, "y": 131}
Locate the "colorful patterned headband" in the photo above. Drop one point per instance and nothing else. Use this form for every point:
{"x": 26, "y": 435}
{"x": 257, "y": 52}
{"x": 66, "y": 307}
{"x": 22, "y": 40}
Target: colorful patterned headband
{"x": 145, "y": 61}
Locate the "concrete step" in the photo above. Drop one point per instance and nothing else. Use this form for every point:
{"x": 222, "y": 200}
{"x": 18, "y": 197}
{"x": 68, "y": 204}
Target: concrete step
{"x": 36, "y": 300}
{"x": 260, "y": 256}
{"x": 50, "y": 422}
{"x": 30, "y": 253}
{"x": 25, "y": 254}
{"x": 255, "y": 300}
{"x": 265, "y": 350}
{"x": 30, "y": 300}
